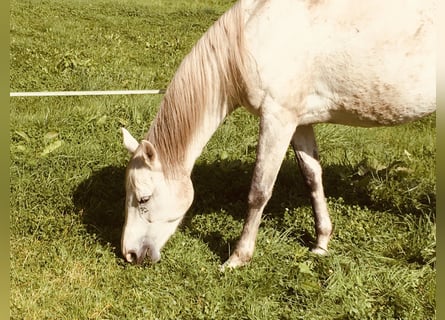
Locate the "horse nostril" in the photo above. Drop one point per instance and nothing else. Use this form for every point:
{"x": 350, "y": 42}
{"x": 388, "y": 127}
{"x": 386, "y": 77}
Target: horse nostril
{"x": 131, "y": 257}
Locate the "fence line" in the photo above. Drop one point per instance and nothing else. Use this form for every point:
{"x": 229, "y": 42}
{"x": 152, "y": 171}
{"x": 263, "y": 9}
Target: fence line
{"x": 83, "y": 93}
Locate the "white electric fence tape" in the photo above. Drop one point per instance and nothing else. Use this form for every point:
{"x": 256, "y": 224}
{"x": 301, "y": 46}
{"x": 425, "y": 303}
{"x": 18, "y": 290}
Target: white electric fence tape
{"x": 83, "y": 93}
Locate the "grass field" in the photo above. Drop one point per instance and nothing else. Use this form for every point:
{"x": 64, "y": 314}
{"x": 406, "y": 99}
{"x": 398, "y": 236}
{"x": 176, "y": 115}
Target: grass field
{"x": 67, "y": 188}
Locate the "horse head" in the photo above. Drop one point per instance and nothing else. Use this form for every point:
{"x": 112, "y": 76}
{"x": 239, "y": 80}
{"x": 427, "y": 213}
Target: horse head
{"x": 155, "y": 204}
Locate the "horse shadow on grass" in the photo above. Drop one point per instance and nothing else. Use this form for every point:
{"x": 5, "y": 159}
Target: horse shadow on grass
{"x": 220, "y": 186}
{"x": 100, "y": 200}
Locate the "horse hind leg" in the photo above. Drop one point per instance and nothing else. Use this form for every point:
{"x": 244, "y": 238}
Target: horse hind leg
{"x": 306, "y": 152}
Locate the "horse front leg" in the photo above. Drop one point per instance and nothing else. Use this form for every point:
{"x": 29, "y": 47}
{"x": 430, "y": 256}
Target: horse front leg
{"x": 275, "y": 134}
{"x": 306, "y": 152}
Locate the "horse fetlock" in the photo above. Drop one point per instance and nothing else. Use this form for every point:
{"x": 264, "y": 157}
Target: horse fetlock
{"x": 321, "y": 245}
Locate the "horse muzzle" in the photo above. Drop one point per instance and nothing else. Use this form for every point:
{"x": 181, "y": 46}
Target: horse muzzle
{"x": 137, "y": 256}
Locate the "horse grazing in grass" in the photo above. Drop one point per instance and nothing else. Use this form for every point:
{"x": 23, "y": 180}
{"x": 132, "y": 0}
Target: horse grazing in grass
{"x": 294, "y": 63}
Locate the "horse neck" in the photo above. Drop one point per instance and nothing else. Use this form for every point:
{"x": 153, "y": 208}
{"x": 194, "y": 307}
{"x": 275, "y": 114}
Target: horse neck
{"x": 213, "y": 116}
{"x": 185, "y": 122}
{"x": 206, "y": 87}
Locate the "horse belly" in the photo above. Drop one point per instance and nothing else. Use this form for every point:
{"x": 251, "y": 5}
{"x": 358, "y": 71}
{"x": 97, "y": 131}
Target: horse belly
{"x": 366, "y": 91}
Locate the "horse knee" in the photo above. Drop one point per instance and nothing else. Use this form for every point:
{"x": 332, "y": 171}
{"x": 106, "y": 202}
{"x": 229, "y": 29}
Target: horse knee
{"x": 258, "y": 196}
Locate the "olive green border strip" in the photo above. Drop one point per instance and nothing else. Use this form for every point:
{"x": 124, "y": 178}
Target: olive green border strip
{"x": 4, "y": 162}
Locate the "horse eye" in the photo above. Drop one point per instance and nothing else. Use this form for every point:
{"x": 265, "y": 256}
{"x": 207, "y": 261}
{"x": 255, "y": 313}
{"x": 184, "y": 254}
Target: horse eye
{"x": 144, "y": 200}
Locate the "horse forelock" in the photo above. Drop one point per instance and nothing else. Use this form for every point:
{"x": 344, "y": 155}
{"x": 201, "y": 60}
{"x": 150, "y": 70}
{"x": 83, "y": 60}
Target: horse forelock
{"x": 212, "y": 74}
{"x": 137, "y": 162}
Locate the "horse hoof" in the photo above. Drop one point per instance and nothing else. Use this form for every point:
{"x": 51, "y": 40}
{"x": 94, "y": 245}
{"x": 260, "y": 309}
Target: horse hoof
{"x": 225, "y": 266}
{"x": 320, "y": 251}
{"x": 232, "y": 263}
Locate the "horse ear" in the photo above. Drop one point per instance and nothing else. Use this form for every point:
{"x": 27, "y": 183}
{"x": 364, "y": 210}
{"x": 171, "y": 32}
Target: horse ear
{"x": 149, "y": 152}
{"x": 130, "y": 143}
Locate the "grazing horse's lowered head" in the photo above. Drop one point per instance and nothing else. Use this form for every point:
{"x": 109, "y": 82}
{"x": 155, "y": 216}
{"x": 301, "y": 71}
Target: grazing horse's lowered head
{"x": 154, "y": 205}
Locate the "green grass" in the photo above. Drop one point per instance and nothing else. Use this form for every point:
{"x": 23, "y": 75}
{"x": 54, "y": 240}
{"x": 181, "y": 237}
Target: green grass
{"x": 67, "y": 176}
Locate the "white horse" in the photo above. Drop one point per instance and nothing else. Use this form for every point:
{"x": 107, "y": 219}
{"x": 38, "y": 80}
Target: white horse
{"x": 294, "y": 63}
